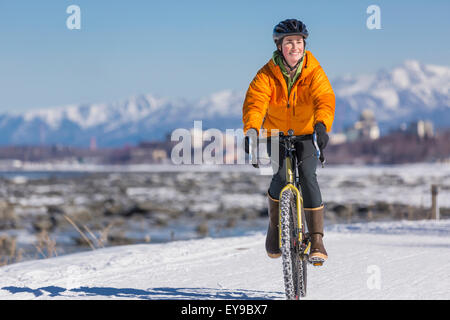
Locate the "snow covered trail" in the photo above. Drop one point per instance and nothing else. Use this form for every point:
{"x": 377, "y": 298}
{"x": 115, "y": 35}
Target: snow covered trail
{"x": 366, "y": 261}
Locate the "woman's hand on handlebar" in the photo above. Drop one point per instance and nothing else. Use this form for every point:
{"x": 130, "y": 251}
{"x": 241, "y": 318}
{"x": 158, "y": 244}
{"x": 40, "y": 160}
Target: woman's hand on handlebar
{"x": 251, "y": 145}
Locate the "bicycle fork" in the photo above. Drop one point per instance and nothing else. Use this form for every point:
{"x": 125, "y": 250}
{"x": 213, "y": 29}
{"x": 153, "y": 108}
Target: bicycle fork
{"x": 290, "y": 186}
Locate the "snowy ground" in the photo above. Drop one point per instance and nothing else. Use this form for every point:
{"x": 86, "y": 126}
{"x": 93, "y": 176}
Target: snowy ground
{"x": 407, "y": 184}
{"x": 401, "y": 260}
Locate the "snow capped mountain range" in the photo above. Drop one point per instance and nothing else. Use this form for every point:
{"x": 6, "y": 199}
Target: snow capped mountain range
{"x": 408, "y": 92}
{"x": 411, "y": 91}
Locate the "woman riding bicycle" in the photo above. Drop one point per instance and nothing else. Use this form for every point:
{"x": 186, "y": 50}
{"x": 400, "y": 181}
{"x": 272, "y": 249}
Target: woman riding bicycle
{"x": 292, "y": 91}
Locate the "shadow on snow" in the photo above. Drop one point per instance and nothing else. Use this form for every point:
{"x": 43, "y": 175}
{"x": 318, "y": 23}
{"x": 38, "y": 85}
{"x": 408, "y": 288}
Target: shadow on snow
{"x": 149, "y": 294}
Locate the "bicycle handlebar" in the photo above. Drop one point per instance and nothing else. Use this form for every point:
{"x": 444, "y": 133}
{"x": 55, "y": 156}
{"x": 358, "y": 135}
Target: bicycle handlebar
{"x": 291, "y": 138}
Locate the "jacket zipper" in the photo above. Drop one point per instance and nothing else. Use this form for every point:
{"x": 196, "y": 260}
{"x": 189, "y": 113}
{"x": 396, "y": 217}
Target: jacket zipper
{"x": 288, "y": 95}
{"x": 293, "y": 107}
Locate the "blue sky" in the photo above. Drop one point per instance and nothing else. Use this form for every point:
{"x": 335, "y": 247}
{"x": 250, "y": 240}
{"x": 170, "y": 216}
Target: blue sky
{"x": 190, "y": 49}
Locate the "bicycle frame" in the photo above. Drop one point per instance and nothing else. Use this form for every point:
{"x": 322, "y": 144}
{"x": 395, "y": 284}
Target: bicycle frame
{"x": 291, "y": 177}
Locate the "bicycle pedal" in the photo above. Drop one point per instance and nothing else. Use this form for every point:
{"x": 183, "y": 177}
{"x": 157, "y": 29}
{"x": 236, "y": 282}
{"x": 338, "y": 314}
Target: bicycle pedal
{"x": 317, "y": 262}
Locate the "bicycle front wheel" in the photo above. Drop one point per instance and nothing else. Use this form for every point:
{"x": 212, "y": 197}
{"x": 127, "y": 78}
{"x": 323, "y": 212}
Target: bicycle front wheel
{"x": 294, "y": 267}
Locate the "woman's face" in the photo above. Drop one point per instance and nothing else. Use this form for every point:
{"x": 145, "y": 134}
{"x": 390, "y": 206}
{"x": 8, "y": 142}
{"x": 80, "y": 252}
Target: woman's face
{"x": 292, "y": 48}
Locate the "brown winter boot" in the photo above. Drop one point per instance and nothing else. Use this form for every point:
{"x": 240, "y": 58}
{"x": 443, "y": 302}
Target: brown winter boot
{"x": 272, "y": 237}
{"x": 314, "y": 220}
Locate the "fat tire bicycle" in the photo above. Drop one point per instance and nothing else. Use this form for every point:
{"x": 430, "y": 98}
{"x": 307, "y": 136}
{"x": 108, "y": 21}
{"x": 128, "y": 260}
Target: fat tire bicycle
{"x": 294, "y": 239}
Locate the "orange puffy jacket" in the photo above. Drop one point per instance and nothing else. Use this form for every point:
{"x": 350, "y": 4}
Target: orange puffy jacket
{"x": 311, "y": 100}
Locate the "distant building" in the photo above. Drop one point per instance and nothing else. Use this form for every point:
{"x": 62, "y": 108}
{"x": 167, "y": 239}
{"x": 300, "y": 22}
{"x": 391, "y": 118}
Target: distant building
{"x": 423, "y": 129}
{"x": 159, "y": 155}
{"x": 338, "y": 138}
{"x": 364, "y": 129}
{"x": 93, "y": 144}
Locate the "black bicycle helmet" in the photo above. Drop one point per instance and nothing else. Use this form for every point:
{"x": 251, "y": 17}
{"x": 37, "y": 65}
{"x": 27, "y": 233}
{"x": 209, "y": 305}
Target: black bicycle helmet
{"x": 289, "y": 27}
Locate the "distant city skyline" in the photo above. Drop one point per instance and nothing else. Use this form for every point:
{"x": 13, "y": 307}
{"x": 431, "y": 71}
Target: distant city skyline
{"x": 191, "y": 49}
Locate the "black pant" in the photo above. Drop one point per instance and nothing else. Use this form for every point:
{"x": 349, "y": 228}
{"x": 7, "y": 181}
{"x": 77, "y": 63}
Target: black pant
{"x": 307, "y": 164}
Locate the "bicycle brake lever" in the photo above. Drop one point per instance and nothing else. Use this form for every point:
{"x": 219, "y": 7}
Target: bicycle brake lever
{"x": 319, "y": 152}
{"x": 322, "y": 158}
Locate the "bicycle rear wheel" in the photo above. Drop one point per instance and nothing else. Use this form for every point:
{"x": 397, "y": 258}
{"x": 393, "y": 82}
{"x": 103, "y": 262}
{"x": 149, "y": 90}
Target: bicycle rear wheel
{"x": 294, "y": 266}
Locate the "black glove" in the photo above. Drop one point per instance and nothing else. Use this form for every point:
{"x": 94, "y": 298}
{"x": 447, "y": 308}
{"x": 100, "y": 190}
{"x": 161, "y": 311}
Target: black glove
{"x": 247, "y": 145}
{"x": 322, "y": 136}
{"x": 251, "y": 142}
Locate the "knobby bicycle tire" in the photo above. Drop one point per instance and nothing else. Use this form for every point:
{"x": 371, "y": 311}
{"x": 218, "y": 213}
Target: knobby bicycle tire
{"x": 294, "y": 268}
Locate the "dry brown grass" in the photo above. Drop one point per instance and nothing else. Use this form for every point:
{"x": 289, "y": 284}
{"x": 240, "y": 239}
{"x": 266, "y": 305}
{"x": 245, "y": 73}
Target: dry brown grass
{"x": 94, "y": 241}
{"x": 8, "y": 250}
{"x": 45, "y": 246}
{"x": 83, "y": 235}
